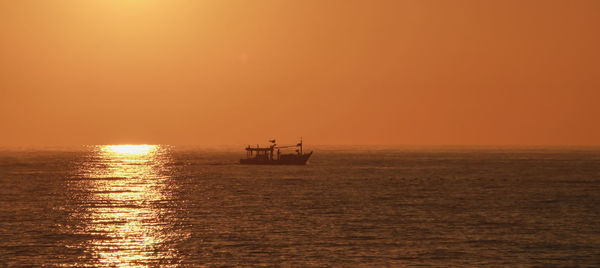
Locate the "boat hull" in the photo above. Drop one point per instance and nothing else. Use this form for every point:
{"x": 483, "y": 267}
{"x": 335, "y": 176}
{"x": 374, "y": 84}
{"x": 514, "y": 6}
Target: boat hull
{"x": 299, "y": 160}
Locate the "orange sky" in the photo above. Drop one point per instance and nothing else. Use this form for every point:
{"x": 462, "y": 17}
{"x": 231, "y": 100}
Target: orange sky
{"x": 423, "y": 72}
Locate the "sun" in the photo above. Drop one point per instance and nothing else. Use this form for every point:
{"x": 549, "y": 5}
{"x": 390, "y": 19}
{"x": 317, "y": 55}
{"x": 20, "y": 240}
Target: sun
{"x": 132, "y": 150}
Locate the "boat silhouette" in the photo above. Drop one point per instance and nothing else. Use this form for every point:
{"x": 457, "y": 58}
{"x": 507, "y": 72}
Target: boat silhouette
{"x": 272, "y": 155}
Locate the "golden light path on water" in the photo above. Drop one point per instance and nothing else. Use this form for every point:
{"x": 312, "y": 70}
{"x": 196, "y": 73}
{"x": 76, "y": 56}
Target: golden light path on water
{"x": 128, "y": 188}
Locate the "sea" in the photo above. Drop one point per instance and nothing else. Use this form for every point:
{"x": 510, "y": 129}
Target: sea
{"x": 351, "y": 206}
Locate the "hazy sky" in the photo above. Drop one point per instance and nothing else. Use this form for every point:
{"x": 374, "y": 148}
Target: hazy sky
{"x": 424, "y": 72}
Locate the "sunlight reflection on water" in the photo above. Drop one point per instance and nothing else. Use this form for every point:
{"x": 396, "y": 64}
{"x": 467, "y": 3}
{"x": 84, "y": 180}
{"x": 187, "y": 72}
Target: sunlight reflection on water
{"x": 126, "y": 186}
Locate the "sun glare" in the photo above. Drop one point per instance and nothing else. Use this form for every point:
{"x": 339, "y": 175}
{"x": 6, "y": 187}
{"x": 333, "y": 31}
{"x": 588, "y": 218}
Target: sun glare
{"x": 134, "y": 177}
{"x": 132, "y": 150}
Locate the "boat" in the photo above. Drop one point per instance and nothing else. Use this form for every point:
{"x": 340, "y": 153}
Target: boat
{"x": 272, "y": 155}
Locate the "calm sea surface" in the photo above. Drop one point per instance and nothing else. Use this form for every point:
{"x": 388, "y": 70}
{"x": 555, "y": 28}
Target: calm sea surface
{"x": 171, "y": 206}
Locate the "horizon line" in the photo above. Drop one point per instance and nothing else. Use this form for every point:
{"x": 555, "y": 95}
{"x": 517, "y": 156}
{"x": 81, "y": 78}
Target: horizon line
{"x": 321, "y": 145}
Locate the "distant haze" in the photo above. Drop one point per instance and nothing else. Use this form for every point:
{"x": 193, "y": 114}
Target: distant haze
{"x": 502, "y": 72}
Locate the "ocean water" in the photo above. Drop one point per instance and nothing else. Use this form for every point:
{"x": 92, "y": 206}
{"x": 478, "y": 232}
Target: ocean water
{"x": 124, "y": 206}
